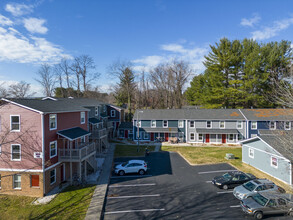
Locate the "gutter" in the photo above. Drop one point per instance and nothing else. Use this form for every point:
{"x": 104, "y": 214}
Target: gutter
{"x": 43, "y": 152}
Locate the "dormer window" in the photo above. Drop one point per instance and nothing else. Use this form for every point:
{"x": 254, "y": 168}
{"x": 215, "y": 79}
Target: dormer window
{"x": 209, "y": 124}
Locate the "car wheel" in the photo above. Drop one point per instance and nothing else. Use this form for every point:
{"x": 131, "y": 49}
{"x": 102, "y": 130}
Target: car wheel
{"x": 121, "y": 173}
{"x": 225, "y": 187}
{"x": 290, "y": 213}
{"x": 258, "y": 215}
{"x": 141, "y": 172}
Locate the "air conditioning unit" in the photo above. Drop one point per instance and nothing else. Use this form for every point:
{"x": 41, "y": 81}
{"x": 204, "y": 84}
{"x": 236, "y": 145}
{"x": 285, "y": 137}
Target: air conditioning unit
{"x": 230, "y": 156}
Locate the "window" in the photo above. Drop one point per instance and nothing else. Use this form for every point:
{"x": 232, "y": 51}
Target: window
{"x": 274, "y": 162}
{"x": 82, "y": 139}
{"x": 251, "y": 152}
{"x": 231, "y": 137}
{"x": 35, "y": 181}
{"x": 146, "y": 135}
{"x": 53, "y": 121}
{"x": 121, "y": 133}
{"x": 282, "y": 202}
{"x": 181, "y": 124}
{"x": 153, "y": 123}
{"x": 15, "y": 152}
{"x": 113, "y": 113}
{"x": 222, "y": 124}
{"x": 165, "y": 123}
{"x": 253, "y": 125}
{"x": 16, "y": 181}
{"x": 53, "y": 149}
{"x": 15, "y": 122}
{"x": 96, "y": 111}
{"x": 209, "y": 124}
{"x": 272, "y": 125}
{"x": 191, "y": 124}
{"x": 139, "y": 124}
{"x": 239, "y": 124}
{"x": 272, "y": 203}
{"x": 191, "y": 136}
{"x": 82, "y": 117}
{"x": 200, "y": 137}
{"x": 287, "y": 125}
{"x": 52, "y": 176}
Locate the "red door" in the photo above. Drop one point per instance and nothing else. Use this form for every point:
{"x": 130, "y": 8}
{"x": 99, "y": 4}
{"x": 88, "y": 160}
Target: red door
{"x": 152, "y": 137}
{"x": 117, "y": 125}
{"x": 166, "y": 136}
{"x": 207, "y": 138}
{"x": 223, "y": 138}
{"x": 126, "y": 133}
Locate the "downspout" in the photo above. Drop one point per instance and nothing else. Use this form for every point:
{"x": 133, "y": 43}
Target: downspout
{"x": 43, "y": 152}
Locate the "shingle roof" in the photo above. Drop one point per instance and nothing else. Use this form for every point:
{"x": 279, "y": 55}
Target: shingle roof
{"x": 73, "y": 133}
{"x": 94, "y": 121}
{"x": 268, "y": 114}
{"x": 197, "y": 114}
{"x": 83, "y": 101}
{"x": 126, "y": 125}
{"x": 48, "y": 105}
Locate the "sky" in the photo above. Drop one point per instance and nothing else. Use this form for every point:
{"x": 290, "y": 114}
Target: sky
{"x": 145, "y": 32}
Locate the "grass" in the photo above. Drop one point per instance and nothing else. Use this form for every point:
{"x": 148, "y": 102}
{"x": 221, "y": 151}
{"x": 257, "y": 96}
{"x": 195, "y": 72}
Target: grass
{"x": 131, "y": 150}
{"x": 213, "y": 155}
{"x": 72, "y": 203}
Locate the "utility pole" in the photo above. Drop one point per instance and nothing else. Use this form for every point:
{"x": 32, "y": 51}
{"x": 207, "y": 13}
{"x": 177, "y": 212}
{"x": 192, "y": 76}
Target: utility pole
{"x": 138, "y": 125}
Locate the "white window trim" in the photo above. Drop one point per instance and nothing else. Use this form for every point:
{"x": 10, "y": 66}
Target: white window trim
{"x": 14, "y": 181}
{"x": 19, "y": 153}
{"x": 113, "y": 113}
{"x": 56, "y": 149}
{"x": 289, "y": 125}
{"x": 229, "y": 137}
{"x": 275, "y": 125}
{"x": 220, "y": 125}
{"x": 146, "y": 137}
{"x": 207, "y": 124}
{"x": 252, "y": 124}
{"x": 164, "y": 124}
{"x": 139, "y": 123}
{"x": 96, "y": 111}
{"x": 241, "y": 123}
{"x": 51, "y": 129}
{"x": 11, "y": 123}
{"x": 190, "y": 124}
{"x": 82, "y": 116}
{"x": 251, "y": 150}
{"x": 182, "y": 126}
{"x": 55, "y": 177}
{"x": 152, "y": 123}
{"x": 199, "y": 138}
{"x": 193, "y": 136}
{"x": 272, "y": 162}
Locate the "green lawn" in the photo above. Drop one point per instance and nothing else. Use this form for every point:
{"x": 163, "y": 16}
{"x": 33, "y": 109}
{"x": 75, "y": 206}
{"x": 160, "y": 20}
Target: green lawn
{"x": 130, "y": 150}
{"x": 70, "y": 204}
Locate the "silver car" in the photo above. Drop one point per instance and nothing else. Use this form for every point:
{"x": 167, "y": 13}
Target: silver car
{"x": 261, "y": 204}
{"x": 131, "y": 166}
{"x": 254, "y": 186}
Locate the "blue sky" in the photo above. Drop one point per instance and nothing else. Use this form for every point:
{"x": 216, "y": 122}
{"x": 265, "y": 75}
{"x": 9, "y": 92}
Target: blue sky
{"x": 145, "y": 32}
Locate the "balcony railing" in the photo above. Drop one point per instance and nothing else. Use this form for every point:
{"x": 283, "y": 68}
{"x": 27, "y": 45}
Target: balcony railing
{"x": 99, "y": 134}
{"x": 76, "y": 155}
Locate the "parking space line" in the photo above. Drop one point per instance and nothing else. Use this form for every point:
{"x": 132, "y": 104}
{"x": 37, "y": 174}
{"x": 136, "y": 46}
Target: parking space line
{"x": 225, "y": 192}
{"x": 235, "y": 206}
{"x": 127, "y": 197}
{"x": 216, "y": 171}
{"x": 208, "y": 181}
{"x": 127, "y": 211}
{"x": 116, "y": 177}
{"x": 146, "y": 184}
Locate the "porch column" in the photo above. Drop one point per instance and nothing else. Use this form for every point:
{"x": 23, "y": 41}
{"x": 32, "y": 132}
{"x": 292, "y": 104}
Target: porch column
{"x": 70, "y": 164}
{"x": 80, "y": 170}
{"x": 85, "y": 167}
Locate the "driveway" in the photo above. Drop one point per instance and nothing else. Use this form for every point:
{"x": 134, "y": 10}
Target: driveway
{"x": 172, "y": 189}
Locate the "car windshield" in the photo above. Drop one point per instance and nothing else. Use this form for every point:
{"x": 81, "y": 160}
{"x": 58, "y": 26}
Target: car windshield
{"x": 227, "y": 176}
{"x": 260, "y": 199}
{"x": 249, "y": 186}
{"x": 124, "y": 164}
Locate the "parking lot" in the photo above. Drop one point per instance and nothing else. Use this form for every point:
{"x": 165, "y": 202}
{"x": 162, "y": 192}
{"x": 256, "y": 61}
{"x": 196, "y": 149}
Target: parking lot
{"x": 172, "y": 189}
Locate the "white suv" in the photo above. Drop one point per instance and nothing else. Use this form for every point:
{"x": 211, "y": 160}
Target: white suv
{"x": 131, "y": 166}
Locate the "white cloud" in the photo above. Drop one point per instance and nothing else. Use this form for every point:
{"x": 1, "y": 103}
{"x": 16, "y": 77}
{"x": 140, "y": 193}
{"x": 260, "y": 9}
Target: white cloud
{"x": 19, "y": 9}
{"x": 5, "y": 21}
{"x": 250, "y": 22}
{"x": 147, "y": 62}
{"x": 16, "y": 47}
{"x": 35, "y": 25}
{"x": 268, "y": 32}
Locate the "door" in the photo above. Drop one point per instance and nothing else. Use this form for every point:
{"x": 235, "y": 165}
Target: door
{"x": 207, "y": 138}
{"x": 152, "y": 137}
{"x": 166, "y": 136}
{"x": 224, "y": 138}
{"x": 126, "y": 134}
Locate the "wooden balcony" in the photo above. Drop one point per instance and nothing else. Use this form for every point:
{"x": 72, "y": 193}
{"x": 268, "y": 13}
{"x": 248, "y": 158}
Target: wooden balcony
{"x": 77, "y": 155}
{"x": 99, "y": 134}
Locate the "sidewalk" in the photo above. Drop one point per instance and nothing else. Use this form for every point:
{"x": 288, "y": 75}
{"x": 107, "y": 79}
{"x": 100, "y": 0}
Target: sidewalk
{"x": 97, "y": 203}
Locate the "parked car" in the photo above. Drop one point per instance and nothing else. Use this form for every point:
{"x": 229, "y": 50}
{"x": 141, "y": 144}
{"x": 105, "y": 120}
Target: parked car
{"x": 265, "y": 203}
{"x": 254, "y": 186}
{"x": 232, "y": 179}
{"x": 131, "y": 166}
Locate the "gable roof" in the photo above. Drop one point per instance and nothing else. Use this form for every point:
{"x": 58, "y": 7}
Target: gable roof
{"x": 268, "y": 114}
{"x": 47, "y": 105}
{"x": 85, "y": 102}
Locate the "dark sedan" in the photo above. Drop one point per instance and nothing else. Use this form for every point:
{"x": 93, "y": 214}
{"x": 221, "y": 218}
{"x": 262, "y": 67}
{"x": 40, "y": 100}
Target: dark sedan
{"x": 232, "y": 179}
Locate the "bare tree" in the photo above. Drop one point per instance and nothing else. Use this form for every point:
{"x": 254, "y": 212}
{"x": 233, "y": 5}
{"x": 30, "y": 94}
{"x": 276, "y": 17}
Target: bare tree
{"x": 3, "y": 91}
{"x": 20, "y": 90}
{"x": 46, "y": 79}
{"x": 62, "y": 71}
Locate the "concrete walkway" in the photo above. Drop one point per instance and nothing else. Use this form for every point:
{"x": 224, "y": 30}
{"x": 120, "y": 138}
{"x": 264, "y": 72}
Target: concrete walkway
{"x": 95, "y": 209}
